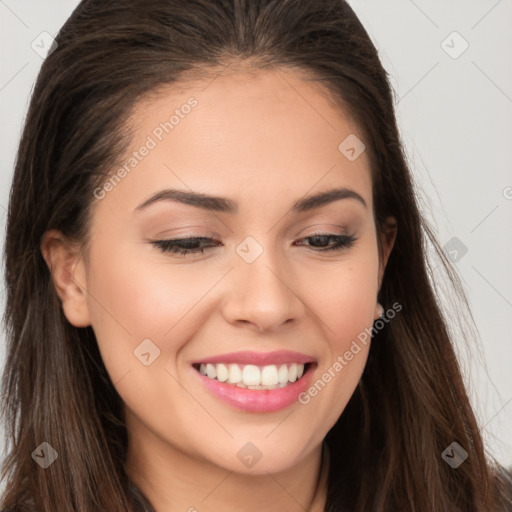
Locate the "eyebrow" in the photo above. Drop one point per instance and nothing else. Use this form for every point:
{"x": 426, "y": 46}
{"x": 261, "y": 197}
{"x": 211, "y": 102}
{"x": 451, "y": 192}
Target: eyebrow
{"x": 224, "y": 205}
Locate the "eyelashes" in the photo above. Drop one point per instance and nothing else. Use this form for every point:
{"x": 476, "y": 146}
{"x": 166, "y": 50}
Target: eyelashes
{"x": 193, "y": 245}
{"x": 184, "y": 245}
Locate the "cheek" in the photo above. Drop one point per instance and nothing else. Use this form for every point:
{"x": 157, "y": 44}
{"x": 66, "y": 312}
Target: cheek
{"x": 347, "y": 319}
{"x": 344, "y": 300}
{"x": 351, "y": 308}
{"x": 347, "y": 311}
{"x": 344, "y": 297}
{"x": 130, "y": 302}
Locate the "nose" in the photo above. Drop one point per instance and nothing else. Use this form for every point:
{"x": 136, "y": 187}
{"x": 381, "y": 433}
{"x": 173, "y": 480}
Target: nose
{"x": 261, "y": 294}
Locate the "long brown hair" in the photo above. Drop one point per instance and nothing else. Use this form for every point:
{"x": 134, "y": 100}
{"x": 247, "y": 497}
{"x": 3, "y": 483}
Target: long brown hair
{"x": 410, "y": 404}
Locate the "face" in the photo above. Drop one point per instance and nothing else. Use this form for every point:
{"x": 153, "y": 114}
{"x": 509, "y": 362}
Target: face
{"x": 294, "y": 282}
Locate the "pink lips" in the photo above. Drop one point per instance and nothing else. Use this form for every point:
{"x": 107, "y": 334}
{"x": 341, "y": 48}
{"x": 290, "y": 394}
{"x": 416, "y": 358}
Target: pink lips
{"x": 258, "y": 358}
{"x": 258, "y": 400}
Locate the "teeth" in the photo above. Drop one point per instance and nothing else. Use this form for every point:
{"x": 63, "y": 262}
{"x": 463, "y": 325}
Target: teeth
{"x": 222, "y": 373}
{"x": 292, "y": 373}
{"x": 269, "y": 375}
{"x": 251, "y": 375}
{"x": 235, "y": 374}
{"x": 211, "y": 371}
{"x": 283, "y": 374}
{"x": 254, "y": 377}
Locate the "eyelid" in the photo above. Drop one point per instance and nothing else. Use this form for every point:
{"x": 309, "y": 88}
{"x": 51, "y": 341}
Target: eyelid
{"x": 186, "y": 232}
{"x": 342, "y": 242}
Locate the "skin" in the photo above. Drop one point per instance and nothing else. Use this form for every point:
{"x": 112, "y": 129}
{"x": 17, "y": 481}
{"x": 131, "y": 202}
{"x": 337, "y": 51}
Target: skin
{"x": 265, "y": 141}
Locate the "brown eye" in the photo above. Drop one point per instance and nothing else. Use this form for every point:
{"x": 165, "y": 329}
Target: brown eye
{"x": 321, "y": 241}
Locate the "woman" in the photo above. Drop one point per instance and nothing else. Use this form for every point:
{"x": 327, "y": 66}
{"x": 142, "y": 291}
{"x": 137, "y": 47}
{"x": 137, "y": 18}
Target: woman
{"x": 217, "y": 289}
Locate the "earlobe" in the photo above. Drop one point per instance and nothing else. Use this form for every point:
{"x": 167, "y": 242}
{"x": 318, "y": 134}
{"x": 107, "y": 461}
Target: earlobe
{"x": 67, "y": 270}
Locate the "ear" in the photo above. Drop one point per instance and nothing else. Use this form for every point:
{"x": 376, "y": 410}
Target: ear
{"x": 67, "y": 268}
{"x": 387, "y": 239}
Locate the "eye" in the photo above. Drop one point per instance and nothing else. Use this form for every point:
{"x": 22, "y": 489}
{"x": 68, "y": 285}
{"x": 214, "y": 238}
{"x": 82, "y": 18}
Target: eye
{"x": 340, "y": 241}
{"x": 193, "y": 245}
{"x": 184, "y": 245}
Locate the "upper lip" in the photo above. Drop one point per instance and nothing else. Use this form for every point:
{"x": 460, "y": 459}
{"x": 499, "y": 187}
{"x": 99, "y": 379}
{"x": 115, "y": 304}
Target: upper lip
{"x": 258, "y": 358}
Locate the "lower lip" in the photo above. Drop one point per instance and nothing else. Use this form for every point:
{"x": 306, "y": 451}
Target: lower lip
{"x": 258, "y": 400}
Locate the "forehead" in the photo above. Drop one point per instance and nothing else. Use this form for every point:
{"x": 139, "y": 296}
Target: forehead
{"x": 249, "y": 135}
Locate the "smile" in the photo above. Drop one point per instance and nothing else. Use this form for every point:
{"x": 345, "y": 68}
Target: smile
{"x": 251, "y": 376}
{"x": 256, "y": 382}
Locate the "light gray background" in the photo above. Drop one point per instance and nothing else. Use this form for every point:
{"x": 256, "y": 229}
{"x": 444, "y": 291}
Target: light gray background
{"x": 455, "y": 115}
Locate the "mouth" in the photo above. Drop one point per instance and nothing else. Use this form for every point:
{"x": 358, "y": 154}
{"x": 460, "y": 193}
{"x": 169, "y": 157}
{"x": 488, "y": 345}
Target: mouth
{"x": 251, "y": 376}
